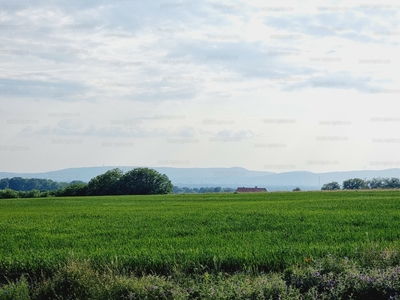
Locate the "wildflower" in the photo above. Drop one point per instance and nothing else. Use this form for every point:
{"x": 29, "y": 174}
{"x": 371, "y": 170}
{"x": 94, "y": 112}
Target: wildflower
{"x": 308, "y": 260}
{"x": 371, "y": 279}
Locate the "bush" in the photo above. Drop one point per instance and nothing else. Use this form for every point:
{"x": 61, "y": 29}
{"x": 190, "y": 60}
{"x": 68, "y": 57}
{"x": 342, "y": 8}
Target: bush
{"x": 18, "y": 290}
{"x": 327, "y": 278}
{"x": 77, "y": 189}
{"x": 44, "y": 194}
{"x": 8, "y": 193}
{"x": 29, "y": 194}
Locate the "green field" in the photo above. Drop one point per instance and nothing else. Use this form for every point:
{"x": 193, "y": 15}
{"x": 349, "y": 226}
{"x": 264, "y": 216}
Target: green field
{"x": 195, "y": 233}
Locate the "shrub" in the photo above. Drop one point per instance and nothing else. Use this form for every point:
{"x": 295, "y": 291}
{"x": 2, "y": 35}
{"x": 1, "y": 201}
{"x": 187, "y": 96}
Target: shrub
{"x": 18, "y": 290}
{"x": 327, "y": 278}
{"x": 8, "y": 193}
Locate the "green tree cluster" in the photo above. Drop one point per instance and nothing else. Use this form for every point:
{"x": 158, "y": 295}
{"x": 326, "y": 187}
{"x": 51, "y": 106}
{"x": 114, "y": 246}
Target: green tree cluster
{"x": 28, "y": 184}
{"x": 9, "y": 194}
{"x": 331, "y": 186}
{"x": 139, "y": 181}
{"x": 202, "y": 190}
{"x": 358, "y": 184}
{"x": 355, "y": 184}
{"x": 384, "y": 183}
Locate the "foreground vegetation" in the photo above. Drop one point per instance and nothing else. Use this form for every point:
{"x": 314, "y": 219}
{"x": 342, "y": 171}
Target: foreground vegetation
{"x": 327, "y": 278}
{"x": 217, "y": 246}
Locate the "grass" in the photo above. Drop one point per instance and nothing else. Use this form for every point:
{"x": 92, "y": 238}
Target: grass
{"x": 193, "y": 235}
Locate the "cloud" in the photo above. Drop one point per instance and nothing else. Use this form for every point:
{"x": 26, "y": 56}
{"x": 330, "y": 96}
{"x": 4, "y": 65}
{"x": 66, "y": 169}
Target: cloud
{"x": 70, "y": 127}
{"x": 173, "y": 64}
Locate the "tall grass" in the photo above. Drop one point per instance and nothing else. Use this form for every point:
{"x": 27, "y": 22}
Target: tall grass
{"x": 326, "y": 278}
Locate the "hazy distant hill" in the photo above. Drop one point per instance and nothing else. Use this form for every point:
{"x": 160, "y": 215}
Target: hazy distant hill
{"x": 186, "y": 175}
{"x": 224, "y": 177}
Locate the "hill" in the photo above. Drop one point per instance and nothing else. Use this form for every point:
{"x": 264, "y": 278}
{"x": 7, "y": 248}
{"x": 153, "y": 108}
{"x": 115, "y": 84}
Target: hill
{"x": 224, "y": 177}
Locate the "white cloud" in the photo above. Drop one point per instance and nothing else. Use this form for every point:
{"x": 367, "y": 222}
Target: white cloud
{"x": 144, "y": 73}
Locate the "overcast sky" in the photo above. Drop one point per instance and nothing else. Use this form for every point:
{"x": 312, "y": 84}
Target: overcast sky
{"x": 265, "y": 85}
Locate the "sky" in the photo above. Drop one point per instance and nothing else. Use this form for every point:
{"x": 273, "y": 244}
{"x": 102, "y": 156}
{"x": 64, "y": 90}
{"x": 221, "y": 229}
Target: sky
{"x": 264, "y": 85}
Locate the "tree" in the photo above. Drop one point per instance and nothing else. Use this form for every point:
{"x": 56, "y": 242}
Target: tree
{"x": 105, "y": 184}
{"x": 392, "y": 183}
{"x": 217, "y": 189}
{"x": 4, "y": 184}
{"x": 354, "y": 184}
{"x": 145, "y": 181}
{"x": 376, "y": 183}
{"x": 24, "y": 184}
{"x": 31, "y": 184}
{"x": 17, "y": 184}
{"x": 297, "y": 189}
{"x": 176, "y": 190}
{"x": 76, "y": 182}
{"x": 331, "y": 186}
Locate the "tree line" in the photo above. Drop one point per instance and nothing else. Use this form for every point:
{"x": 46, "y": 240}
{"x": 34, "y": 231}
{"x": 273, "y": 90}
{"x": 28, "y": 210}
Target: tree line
{"x": 139, "y": 181}
{"x": 358, "y": 184}
{"x": 24, "y": 184}
{"x": 202, "y": 190}
{"x": 144, "y": 181}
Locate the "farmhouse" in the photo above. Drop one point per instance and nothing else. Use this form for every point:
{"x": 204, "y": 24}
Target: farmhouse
{"x": 250, "y": 190}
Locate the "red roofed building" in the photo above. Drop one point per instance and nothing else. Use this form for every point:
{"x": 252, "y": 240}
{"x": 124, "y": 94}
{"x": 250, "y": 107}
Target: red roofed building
{"x": 250, "y": 190}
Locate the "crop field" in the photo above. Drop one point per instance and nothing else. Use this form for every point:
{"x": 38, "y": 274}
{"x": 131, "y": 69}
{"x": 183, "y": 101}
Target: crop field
{"x": 195, "y": 233}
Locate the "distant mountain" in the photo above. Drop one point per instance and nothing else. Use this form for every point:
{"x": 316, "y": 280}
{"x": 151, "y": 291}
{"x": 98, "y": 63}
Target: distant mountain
{"x": 186, "y": 175}
{"x": 224, "y": 177}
